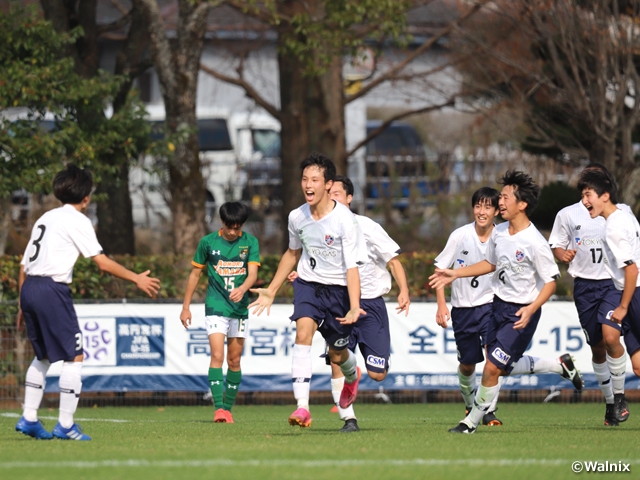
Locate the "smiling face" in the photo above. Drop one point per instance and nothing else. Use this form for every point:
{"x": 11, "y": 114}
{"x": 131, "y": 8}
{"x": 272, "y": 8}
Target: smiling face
{"x": 484, "y": 213}
{"x": 594, "y": 203}
{"x": 508, "y": 204}
{"x": 314, "y": 186}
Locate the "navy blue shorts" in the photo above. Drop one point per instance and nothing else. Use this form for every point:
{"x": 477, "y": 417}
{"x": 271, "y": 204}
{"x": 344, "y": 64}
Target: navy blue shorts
{"x": 371, "y": 334}
{"x": 631, "y": 325}
{"x": 52, "y": 324}
{"x": 506, "y": 345}
{"x": 595, "y": 301}
{"x": 470, "y": 328}
{"x": 323, "y": 303}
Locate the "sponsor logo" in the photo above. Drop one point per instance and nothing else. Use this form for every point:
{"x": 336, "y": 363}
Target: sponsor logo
{"x": 460, "y": 262}
{"x": 590, "y": 241}
{"x": 578, "y": 227}
{"x": 499, "y": 355}
{"x": 519, "y": 255}
{"x": 318, "y": 252}
{"x": 341, "y": 342}
{"x": 578, "y": 241}
{"x": 328, "y": 239}
{"x": 609, "y": 315}
{"x": 465, "y": 252}
{"x": 375, "y": 361}
{"x": 215, "y": 252}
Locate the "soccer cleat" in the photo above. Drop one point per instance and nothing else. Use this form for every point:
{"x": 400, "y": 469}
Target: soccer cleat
{"x": 462, "y": 428}
{"x": 491, "y": 420}
{"x": 620, "y": 407}
{"x": 350, "y": 390}
{"x": 220, "y": 416}
{"x": 467, "y": 411}
{"x": 300, "y": 417}
{"x": 229, "y": 416}
{"x": 610, "y": 416}
{"x": 334, "y": 409}
{"x": 569, "y": 371}
{"x": 350, "y": 425}
{"x": 33, "y": 429}
{"x": 72, "y": 433}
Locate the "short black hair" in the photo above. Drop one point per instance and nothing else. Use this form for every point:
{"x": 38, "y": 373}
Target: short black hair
{"x": 485, "y": 194}
{"x": 600, "y": 180}
{"x": 234, "y": 214}
{"x": 72, "y": 184}
{"x": 524, "y": 188}
{"x": 321, "y": 161}
{"x": 346, "y": 183}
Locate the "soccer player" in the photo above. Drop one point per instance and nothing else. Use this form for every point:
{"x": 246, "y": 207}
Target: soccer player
{"x": 57, "y": 238}
{"x": 578, "y": 239}
{"x": 326, "y": 244}
{"x": 524, "y": 279}
{"x": 371, "y": 331}
{"x": 470, "y": 300}
{"x": 622, "y": 252}
{"x": 232, "y": 258}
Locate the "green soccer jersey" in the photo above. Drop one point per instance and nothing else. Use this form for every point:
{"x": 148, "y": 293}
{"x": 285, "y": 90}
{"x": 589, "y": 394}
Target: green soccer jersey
{"x": 227, "y": 267}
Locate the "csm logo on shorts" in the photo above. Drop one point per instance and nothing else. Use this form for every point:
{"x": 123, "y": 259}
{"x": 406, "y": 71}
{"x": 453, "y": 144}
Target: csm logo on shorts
{"x": 341, "y": 342}
{"x": 499, "y": 355}
{"x": 609, "y": 314}
{"x": 375, "y": 361}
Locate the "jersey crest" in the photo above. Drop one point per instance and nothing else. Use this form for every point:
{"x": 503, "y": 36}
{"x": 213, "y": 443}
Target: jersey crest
{"x": 244, "y": 252}
{"x": 519, "y": 255}
{"x": 328, "y": 239}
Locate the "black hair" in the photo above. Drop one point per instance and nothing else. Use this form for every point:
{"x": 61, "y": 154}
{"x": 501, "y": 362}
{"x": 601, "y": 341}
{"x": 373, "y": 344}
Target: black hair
{"x": 346, "y": 183}
{"x": 234, "y": 214}
{"x": 524, "y": 188}
{"x": 485, "y": 194}
{"x": 72, "y": 184}
{"x": 321, "y": 161}
{"x": 600, "y": 180}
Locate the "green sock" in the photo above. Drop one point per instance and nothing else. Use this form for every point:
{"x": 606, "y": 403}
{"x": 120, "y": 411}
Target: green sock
{"x": 233, "y": 383}
{"x": 216, "y": 386}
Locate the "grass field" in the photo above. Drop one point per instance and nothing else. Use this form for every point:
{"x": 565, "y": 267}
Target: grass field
{"x": 538, "y": 441}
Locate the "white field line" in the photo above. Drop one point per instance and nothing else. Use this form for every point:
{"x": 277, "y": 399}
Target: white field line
{"x": 419, "y": 462}
{"x": 110, "y": 420}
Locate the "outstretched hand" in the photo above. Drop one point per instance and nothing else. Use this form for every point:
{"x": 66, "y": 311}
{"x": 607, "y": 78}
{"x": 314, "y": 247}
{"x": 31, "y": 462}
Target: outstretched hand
{"x": 441, "y": 278}
{"x": 351, "y": 316}
{"x": 149, "y": 285}
{"x": 264, "y": 300}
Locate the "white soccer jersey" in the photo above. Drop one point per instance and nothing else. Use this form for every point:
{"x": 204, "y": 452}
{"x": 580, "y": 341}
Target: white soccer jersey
{"x": 464, "y": 248}
{"x": 375, "y": 279}
{"x": 57, "y": 238}
{"x": 330, "y": 245}
{"x": 574, "y": 229}
{"x": 622, "y": 245}
{"x": 524, "y": 263}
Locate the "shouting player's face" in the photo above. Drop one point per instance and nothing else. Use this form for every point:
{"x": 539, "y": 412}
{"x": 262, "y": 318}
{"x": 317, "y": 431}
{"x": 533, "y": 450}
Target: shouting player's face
{"x": 594, "y": 203}
{"x": 339, "y": 194}
{"x": 508, "y": 203}
{"x": 314, "y": 187}
{"x": 484, "y": 213}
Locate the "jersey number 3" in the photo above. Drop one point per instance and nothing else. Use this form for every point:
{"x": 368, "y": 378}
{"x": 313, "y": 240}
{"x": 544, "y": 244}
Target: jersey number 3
{"x": 36, "y": 242}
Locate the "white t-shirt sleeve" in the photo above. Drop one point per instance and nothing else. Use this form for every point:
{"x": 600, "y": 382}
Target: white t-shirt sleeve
{"x": 448, "y": 255}
{"x": 383, "y": 245}
{"x": 545, "y": 265}
{"x": 620, "y": 245}
{"x": 559, "y": 237}
{"x": 84, "y": 238}
{"x": 352, "y": 242}
{"x": 491, "y": 256}
{"x": 294, "y": 237}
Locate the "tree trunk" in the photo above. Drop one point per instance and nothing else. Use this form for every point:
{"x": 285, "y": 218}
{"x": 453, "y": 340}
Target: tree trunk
{"x": 5, "y": 221}
{"x": 115, "y": 219}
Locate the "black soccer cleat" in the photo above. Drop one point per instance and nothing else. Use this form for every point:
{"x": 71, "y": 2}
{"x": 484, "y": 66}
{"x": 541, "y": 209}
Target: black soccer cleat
{"x": 610, "y": 416}
{"x": 350, "y": 425}
{"x": 569, "y": 371}
{"x": 491, "y": 420}
{"x": 620, "y": 407}
{"x": 462, "y": 428}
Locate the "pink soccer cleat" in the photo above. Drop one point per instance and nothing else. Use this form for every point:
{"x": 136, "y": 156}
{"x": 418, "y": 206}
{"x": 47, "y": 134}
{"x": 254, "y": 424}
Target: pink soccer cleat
{"x": 229, "y": 416}
{"x": 350, "y": 391}
{"x": 300, "y": 417}
{"x": 219, "y": 416}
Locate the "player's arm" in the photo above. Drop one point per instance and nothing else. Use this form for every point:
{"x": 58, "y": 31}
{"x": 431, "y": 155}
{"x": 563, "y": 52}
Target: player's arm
{"x": 630, "y": 278}
{"x": 442, "y": 313}
{"x": 525, "y": 312}
{"x": 192, "y": 284}
{"x": 143, "y": 281}
{"x": 444, "y": 276}
{"x": 238, "y": 293}
{"x": 353, "y": 287}
{"x": 21, "y": 278}
{"x": 266, "y": 295}
{"x": 562, "y": 255}
{"x": 400, "y": 276}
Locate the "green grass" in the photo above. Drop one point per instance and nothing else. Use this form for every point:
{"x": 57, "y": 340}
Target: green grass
{"x": 538, "y": 441}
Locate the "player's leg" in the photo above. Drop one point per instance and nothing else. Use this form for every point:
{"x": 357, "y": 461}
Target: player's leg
{"x": 238, "y": 329}
{"x": 374, "y": 338}
{"x": 217, "y": 329}
{"x": 483, "y": 313}
{"x": 301, "y": 371}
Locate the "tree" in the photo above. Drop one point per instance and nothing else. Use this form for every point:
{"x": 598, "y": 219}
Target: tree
{"x": 51, "y": 103}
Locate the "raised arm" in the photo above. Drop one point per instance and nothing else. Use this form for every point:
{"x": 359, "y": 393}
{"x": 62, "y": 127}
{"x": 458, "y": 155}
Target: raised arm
{"x": 266, "y": 296}
{"x": 444, "y": 277}
{"x": 143, "y": 281}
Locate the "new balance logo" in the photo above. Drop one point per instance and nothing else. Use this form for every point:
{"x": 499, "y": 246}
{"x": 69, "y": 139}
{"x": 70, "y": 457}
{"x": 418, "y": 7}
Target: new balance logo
{"x": 465, "y": 252}
{"x": 578, "y": 227}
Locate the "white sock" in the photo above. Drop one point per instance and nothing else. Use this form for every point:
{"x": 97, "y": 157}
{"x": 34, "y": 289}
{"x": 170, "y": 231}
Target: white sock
{"x": 492, "y": 407}
{"x": 603, "y": 376}
{"x": 348, "y": 368}
{"x": 35, "y": 382}
{"x": 467, "y": 387}
{"x": 336, "y": 389}
{"x": 481, "y": 404}
{"x": 618, "y": 369}
{"x": 70, "y": 387}
{"x": 301, "y": 374}
{"x": 529, "y": 364}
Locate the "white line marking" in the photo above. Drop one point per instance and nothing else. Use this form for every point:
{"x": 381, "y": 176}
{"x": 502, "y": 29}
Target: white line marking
{"x": 420, "y": 462}
{"x": 111, "y": 420}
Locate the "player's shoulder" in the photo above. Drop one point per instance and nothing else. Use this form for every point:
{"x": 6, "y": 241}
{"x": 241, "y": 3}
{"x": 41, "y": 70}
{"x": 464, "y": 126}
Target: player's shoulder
{"x": 501, "y": 229}
{"x": 571, "y": 210}
{"x": 535, "y": 237}
{"x": 301, "y": 212}
{"x": 249, "y": 238}
{"x": 367, "y": 223}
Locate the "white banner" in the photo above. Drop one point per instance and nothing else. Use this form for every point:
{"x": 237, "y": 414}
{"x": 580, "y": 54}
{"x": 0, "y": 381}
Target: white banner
{"x": 145, "y": 347}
